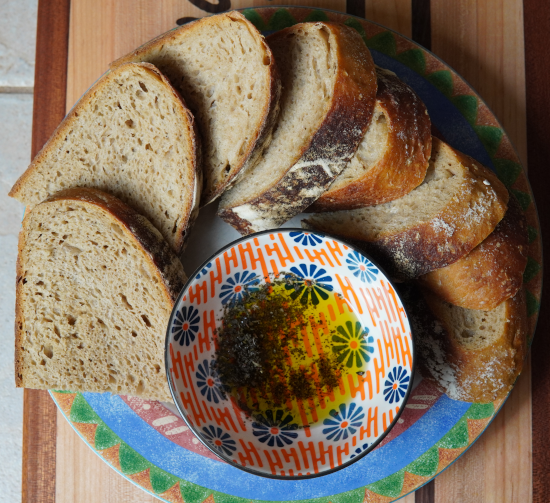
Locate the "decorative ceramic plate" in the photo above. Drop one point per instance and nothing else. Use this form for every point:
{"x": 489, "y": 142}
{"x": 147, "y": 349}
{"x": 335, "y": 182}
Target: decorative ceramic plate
{"x": 149, "y": 444}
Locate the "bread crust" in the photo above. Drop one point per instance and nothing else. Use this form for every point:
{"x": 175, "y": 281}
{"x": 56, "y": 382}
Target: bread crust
{"x": 163, "y": 260}
{"x": 330, "y": 147}
{"x": 403, "y": 165}
{"x": 451, "y": 234}
{"x": 492, "y": 272}
{"x": 470, "y": 375}
{"x": 272, "y": 87}
{"x": 189, "y": 207}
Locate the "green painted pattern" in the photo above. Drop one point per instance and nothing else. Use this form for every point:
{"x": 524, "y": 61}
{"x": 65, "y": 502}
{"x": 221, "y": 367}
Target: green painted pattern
{"x": 533, "y": 304}
{"x": 467, "y": 106}
{"x": 443, "y": 80}
{"x": 280, "y": 20}
{"x": 414, "y": 59}
{"x": 317, "y": 15}
{"x": 255, "y": 19}
{"x": 426, "y": 465}
{"x": 531, "y": 234}
{"x": 105, "y": 438}
{"x": 507, "y": 171}
{"x": 383, "y": 42}
{"x": 81, "y": 412}
{"x": 531, "y": 270}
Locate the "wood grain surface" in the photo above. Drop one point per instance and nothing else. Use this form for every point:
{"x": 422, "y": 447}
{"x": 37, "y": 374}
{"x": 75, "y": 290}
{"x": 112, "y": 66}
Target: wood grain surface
{"x": 482, "y": 40}
{"x": 39, "y": 411}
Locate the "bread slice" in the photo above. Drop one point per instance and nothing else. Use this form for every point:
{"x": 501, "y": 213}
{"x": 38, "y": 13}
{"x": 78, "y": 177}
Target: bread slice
{"x": 457, "y": 206}
{"x": 225, "y": 71}
{"x": 492, "y": 272}
{"x": 472, "y": 355}
{"x": 129, "y": 135}
{"x": 96, "y": 283}
{"x": 393, "y": 156}
{"x": 329, "y": 83}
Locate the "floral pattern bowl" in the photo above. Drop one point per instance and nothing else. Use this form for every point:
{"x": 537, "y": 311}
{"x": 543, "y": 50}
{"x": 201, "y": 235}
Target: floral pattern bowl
{"x": 358, "y": 316}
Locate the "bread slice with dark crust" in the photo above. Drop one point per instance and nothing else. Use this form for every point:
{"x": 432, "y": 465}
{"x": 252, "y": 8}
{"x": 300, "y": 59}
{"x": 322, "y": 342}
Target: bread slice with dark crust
{"x": 471, "y": 355}
{"x": 393, "y": 156}
{"x": 96, "y": 283}
{"x": 226, "y": 72}
{"x": 456, "y": 207}
{"x": 130, "y": 135}
{"x": 492, "y": 272}
{"x": 329, "y": 84}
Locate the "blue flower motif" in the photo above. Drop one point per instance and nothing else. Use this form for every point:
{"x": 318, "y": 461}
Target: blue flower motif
{"x": 204, "y": 270}
{"x": 359, "y": 450}
{"x": 306, "y": 283}
{"x": 361, "y": 267}
{"x": 208, "y": 382}
{"x": 344, "y": 423}
{"x": 306, "y": 238}
{"x": 219, "y": 440}
{"x": 353, "y": 344}
{"x": 186, "y": 325}
{"x": 275, "y": 430}
{"x": 235, "y": 287}
{"x": 396, "y": 384}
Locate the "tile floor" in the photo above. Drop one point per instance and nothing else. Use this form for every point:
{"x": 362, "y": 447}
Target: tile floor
{"x": 17, "y": 49}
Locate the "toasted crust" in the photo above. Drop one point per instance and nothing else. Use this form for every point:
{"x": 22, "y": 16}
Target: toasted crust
{"x": 456, "y": 230}
{"x": 467, "y": 374}
{"x": 272, "y": 88}
{"x": 163, "y": 261}
{"x": 22, "y": 190}
{"x": 492, "y": 272}
{"x": 404, "y": 162}
{"x": 330, "y": 147}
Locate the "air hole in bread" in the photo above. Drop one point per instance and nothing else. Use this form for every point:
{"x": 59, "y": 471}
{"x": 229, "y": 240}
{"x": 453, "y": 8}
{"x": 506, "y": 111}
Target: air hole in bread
{"x": 146, "y": 320}
{"x": 144, "y": 87}
{"x": 467, "y": 334}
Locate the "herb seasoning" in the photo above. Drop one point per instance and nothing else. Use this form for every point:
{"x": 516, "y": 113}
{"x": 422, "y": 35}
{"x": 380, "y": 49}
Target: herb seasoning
{"x": 276, "y": 350}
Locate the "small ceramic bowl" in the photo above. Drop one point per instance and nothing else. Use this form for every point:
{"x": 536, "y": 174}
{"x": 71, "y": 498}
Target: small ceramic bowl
{"x": 361, "y": 318}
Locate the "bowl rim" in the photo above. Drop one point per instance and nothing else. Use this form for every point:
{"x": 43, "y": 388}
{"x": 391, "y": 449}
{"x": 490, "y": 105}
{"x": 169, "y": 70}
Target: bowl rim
{"x": 196, "y": 431}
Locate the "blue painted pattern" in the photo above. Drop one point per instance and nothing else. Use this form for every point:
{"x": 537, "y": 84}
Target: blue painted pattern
{"x": 186, "y": 325}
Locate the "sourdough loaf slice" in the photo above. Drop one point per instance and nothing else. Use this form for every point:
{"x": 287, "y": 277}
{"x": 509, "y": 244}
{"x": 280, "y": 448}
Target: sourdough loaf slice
{"x": 225, "y": 71}
{"x": 96, "y": 283}
{"x": 329, "y": 89}
{"x": 457, "y": 206}
{"x": 129, "y": 135}
{"x": 472, "y": 355}
{"x": 393, "y": 156}
{"x": 492, "y": 272}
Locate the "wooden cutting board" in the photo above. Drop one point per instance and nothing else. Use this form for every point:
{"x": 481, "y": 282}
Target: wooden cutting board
{"x": 483, "y": 41}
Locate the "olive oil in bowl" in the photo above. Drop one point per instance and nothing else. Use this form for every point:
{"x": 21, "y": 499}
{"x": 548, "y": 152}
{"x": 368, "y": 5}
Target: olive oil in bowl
{"x": 289, "y": 345}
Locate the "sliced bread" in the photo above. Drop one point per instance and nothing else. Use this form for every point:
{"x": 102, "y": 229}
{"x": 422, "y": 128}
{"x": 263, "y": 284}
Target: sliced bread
{"x": 329, "y": 90}
{"x": 472, "y": 355}
{"x": 492, "y": 272}
{"x": 225, "y": 71}
{"x": 393, "y": 156}
{"x": 96, "y": 283}
{"x": 129, "y": 135}
{"x": 456, "y": 207}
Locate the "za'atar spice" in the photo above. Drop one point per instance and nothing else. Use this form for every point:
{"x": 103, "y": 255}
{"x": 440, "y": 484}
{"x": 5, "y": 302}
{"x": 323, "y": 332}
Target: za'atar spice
{"x": 274, "y": 348}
